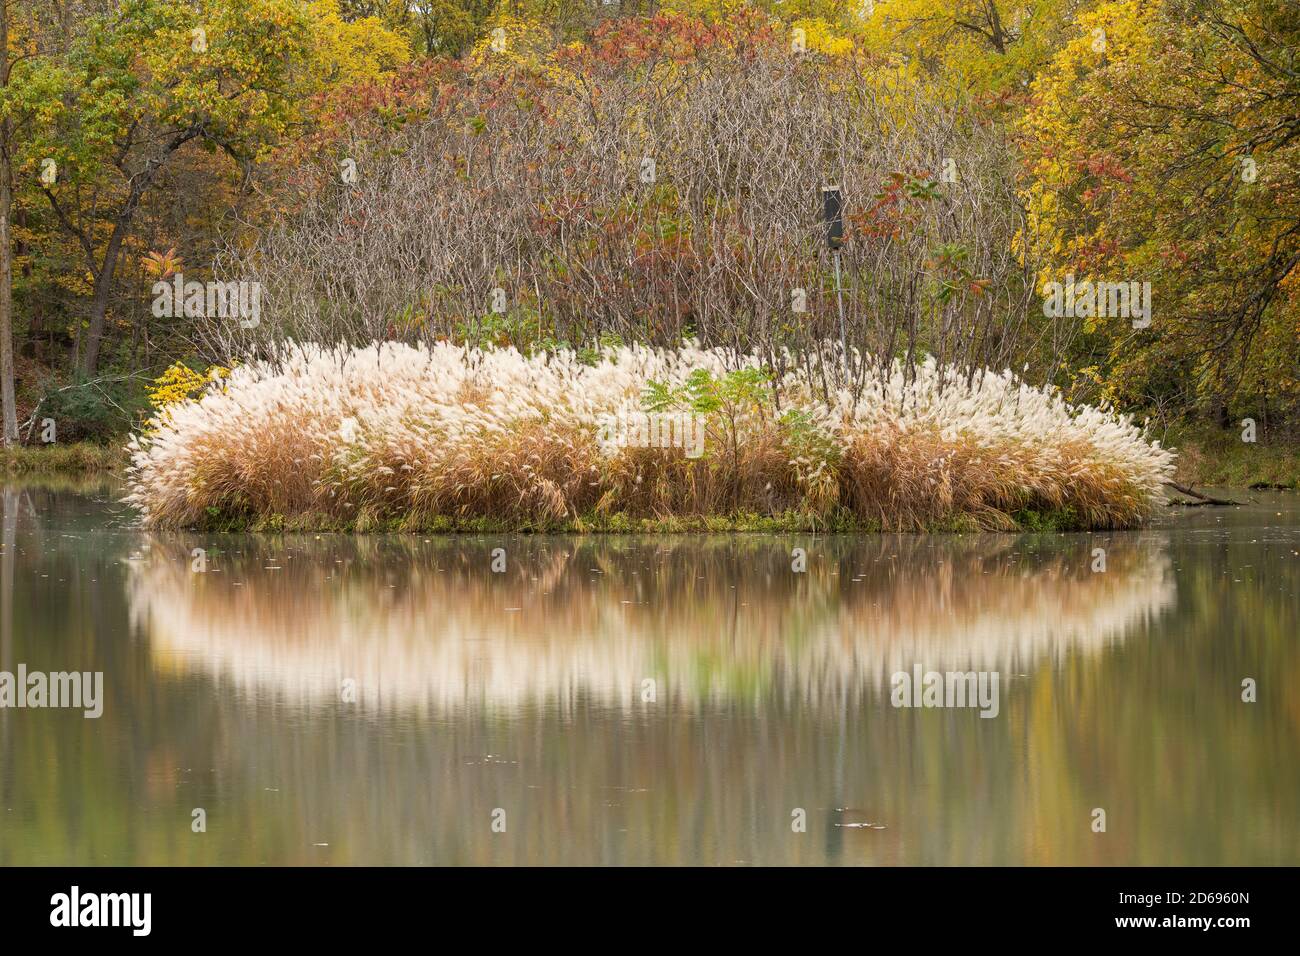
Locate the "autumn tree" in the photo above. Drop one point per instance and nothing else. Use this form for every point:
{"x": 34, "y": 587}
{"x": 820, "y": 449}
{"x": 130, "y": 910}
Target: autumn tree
{"x": 145, "y": 80}
{"x": 1164, "y": 146}
{"x": 137, "y": 86}
{"x": 985, "y": 45}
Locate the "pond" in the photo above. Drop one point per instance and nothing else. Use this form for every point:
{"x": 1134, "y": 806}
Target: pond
{"x": 303, "y": 699}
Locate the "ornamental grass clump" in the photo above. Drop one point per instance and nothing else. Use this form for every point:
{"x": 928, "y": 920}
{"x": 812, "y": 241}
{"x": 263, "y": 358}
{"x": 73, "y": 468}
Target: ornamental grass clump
{"x": 448, "y": 436}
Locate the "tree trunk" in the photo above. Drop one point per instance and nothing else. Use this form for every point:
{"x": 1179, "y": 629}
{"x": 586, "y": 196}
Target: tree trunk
{"x": 8, "y": 410}
{"x": 140, "y": 182}
{"x": 99, "y": 304}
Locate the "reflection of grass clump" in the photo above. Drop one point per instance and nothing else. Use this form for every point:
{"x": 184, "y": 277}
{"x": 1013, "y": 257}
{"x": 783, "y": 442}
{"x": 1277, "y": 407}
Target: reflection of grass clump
{"x": 424, "y": 619}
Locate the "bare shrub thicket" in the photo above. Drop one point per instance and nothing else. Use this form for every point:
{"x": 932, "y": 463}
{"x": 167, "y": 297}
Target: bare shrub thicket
{"x": 655, "y": 188}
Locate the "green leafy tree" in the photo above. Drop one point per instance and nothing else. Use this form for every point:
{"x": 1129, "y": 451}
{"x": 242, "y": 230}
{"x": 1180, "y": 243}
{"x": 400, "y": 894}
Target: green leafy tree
{"x": 135, "y": 87}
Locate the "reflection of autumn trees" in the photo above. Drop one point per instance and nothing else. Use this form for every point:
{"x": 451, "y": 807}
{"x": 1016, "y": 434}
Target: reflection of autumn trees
{"x": 1222, "y": 768}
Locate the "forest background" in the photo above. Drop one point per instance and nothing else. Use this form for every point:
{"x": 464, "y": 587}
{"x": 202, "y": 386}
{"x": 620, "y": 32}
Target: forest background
{"x": 1005, "y": 145}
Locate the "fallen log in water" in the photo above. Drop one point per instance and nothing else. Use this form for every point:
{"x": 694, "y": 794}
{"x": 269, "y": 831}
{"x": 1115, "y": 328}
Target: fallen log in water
{"x": 1202, "y": 500}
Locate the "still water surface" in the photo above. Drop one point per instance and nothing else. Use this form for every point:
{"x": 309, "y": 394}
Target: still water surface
{"x": 375, "y": 700}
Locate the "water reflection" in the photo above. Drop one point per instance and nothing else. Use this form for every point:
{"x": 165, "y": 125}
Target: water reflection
{"x": 429, "y": 624}
{"x": 521, "y": 690}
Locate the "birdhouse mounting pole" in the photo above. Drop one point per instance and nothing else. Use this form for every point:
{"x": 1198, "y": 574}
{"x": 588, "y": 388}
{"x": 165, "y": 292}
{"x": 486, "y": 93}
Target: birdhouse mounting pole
{"x": 833, "y": 215}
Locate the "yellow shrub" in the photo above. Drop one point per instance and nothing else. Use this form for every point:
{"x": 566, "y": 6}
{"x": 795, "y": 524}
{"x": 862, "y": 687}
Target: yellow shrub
{"x": 180, "y": 383}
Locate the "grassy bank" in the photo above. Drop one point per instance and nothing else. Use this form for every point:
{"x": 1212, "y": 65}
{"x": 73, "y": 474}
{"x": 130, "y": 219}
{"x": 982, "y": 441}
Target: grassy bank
{"x": 1211, "y": 457}
{"x": 75, "y": 459}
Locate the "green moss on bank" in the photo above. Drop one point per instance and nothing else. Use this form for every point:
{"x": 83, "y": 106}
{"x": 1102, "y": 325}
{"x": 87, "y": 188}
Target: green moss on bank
{"x": 841, "y": 522}
{"x": 74, "y": 459}
{"x": 1055, "y": 520}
